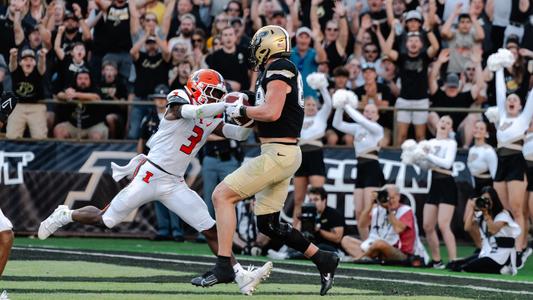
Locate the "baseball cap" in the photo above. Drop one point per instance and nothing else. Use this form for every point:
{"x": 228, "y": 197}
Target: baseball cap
{"x": 70, "y": 15}
{"x": 367, "y": 66}
{"x": 160, "y": 91}
{"x": 27, "y": 53}
{"x": 303, "y": 30}
{"x": 278, "y": 13}
{"x": 452, "y": 80}
{"x": 110, "y": 63}
{"x": 413, "y": 14}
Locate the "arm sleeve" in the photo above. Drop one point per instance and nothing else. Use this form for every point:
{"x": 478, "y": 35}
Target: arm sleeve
{"x": 492, "y": 162}
{"x": 501, "y": 91}
{"x": 189, "y": 111}
{"x": 234, "y": 132}
{"x": 373, "y": 127}
{"x": 527, "y": 113}
{"x": 341, "y": 125}
{"x": 448, "y": 159}
{"x": 325, "y": 110}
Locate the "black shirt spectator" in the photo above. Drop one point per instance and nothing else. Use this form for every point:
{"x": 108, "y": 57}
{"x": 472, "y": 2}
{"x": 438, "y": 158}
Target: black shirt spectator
{"x": 149, "y": 126}
{"x": 462, "y": 100}
{"x": 151, "y": 70}
{"x": 112, "y": 32}
{"x": 231, "y": 61}
{"x": 28, "y": 88}
{"x": 414, "y": 75}
{"x": 329, "y": 219}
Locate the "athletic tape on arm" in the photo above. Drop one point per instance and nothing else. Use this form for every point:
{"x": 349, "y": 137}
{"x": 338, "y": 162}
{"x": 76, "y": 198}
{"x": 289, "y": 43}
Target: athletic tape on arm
{"x": 201, "y": 111}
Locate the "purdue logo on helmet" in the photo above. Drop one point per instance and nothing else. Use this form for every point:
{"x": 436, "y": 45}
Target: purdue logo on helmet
{"x": 269, "y": 41}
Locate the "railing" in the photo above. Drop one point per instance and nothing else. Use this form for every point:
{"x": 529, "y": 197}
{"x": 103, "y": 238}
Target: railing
{"x": 393, "y": 109}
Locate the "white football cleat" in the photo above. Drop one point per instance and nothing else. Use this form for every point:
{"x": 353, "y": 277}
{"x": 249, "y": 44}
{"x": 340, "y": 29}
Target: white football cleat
{"x": 4, "y": 295}
{"x": 248, "y": 280}
{"x": 56, "y": 220}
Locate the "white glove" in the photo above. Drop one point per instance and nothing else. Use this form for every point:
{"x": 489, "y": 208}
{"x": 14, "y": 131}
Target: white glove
{"x": 233, "y": 110}
{"x": 353, "y": 100}
{"x": 317, "y": 81}
{"x": 501, "y": 59}
{"x": 408, "y": 149}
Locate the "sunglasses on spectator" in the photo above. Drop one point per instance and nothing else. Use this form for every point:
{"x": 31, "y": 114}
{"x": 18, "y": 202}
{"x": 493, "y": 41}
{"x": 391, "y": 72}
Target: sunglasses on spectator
{"x": 181, "y": 50}
{"x": 332, "y": 29}
{"x": 150, "y": 19}
{"x": 234, "y": 9}
{"x": 371, "y": 51}
{"x": 197, "y": 40}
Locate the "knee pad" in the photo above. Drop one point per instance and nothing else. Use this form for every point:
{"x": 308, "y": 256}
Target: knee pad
{"x": 271, "y": 226}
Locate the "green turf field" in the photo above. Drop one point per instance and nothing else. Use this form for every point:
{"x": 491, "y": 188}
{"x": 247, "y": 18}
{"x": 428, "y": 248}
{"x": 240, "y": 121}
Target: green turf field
{"x": 90, "y": 268}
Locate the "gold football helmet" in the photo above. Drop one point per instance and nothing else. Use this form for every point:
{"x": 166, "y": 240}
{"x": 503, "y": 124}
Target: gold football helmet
{"x": 269, "y": 41}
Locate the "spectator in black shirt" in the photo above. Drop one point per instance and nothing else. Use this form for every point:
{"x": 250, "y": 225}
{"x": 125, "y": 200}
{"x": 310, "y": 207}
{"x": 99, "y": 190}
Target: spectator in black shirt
{"x": 231, "y": 61}
{"x": 27, "y": 76}
{"x": 112, "y": 35}
{"x": 151, "y": 69}
{"x": 113, "y": 89}
{"x": 413, "y": 68}
{"x": 451, "y": 95}
{"x": 85, "y": 121}
{"x": 71, "y": 34}
{"x": 68, "y": 65}
{"x": 12, "y": 26}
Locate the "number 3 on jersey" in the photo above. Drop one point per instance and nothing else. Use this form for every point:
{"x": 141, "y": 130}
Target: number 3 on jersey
{"x": 195, "y": 138}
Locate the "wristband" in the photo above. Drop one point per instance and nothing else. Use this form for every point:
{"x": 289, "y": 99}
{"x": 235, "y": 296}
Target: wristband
{"x": 242, "y": 111}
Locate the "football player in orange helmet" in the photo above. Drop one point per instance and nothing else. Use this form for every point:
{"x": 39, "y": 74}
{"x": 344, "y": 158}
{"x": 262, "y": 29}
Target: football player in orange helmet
{"x": 206, "y": 86}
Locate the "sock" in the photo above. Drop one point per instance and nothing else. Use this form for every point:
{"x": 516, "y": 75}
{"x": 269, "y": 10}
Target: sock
{"x": 223, "y": 260}
{"x": 67, "y": 217}
{"x": 317, "y": 257}
{"x": 237, "y": 268}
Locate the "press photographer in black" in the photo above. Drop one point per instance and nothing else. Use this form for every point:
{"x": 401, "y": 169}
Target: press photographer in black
{"x": 498, "y": 233}
{"x": 322, "y": 224}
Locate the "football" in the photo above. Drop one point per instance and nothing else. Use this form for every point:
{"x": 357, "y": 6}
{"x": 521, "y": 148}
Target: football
{"x": 233, "y": 97}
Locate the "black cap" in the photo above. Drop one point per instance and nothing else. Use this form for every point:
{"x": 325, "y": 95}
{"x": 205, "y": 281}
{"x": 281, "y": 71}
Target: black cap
{"x": 69, "y": 15}
{"x": 160, "y": 91}
{"x": 279, "y": 13}
{"x": 452, "y": 80}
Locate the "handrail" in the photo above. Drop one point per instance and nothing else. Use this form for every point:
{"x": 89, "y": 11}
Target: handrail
{"x": 145, "y": 103}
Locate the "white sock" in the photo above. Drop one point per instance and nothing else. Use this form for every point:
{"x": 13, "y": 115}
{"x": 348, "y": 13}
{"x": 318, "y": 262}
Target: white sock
{"x": 67, "y": 217}
{"x": 238, "y": 268}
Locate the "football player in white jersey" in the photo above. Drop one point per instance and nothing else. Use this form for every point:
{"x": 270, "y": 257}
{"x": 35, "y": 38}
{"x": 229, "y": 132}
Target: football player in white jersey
{"x": 7, "y": 103}
{"x": 159, "y": 175}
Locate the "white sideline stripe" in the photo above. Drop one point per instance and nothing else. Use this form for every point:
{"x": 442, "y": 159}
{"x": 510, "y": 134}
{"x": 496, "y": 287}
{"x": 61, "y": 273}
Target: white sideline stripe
{"x": 279, "y": 270}
{"x": 359, "y": 267}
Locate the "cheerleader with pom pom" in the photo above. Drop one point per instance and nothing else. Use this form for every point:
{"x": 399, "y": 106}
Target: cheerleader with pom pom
{"x": 512, "y": 124}
{"x": 368, "y": 134}
{"x": 312, "y": 170}
{"x": 440, "y": 154}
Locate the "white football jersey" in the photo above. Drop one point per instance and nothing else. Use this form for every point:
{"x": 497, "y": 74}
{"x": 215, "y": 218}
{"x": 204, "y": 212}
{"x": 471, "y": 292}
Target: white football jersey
{"x": 482, "y": 159}
{"x": 177, "y": 142}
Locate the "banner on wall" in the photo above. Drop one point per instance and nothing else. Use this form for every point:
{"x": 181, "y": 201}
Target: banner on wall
{"x": 36, "y": 177}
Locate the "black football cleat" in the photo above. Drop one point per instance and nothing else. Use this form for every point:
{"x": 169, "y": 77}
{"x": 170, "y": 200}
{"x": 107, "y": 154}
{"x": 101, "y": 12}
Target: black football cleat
{"x": 215, "y": 276}
{"x": 327, "y": 270}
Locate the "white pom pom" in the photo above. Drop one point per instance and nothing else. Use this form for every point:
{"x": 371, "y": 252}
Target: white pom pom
{"x": 409, "y": 144}
{"x": 353, "y": 100}
{"x": 501, "y": 59}
{"x": 317, "y": 81}
{"x": 492, "y": 114}
{"x": 340, "y": 98}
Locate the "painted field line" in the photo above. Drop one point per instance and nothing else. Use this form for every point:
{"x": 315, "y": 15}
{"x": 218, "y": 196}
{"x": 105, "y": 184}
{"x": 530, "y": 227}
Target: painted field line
{"x": 278, "y": 270}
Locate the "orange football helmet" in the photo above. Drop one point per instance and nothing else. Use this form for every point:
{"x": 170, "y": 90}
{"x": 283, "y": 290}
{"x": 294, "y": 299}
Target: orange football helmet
{"x": 206, "y": 86}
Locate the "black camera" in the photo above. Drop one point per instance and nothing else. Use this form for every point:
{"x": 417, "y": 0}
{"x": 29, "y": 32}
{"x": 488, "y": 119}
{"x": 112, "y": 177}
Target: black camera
{"x": 482, "y": 202}
{"x": 382, "y": 197}
{"x": 308, "y": 219}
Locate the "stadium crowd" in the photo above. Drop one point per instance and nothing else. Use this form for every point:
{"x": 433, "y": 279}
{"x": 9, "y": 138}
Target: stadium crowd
{"x": 408, "y": 54}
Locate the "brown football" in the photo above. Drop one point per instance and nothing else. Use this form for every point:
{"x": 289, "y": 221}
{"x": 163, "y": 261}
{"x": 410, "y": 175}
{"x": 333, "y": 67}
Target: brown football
{"x": 234, "y": 96}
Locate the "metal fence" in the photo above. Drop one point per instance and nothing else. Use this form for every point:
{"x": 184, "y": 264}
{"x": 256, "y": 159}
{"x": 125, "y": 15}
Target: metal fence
{"x": 145, "y": 103}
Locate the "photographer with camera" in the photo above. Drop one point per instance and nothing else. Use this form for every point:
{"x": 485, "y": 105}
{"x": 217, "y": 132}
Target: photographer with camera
{"x": 393, "y": 232}
{"x": 321, "y": 224}
{"x": 498, "y": 231}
